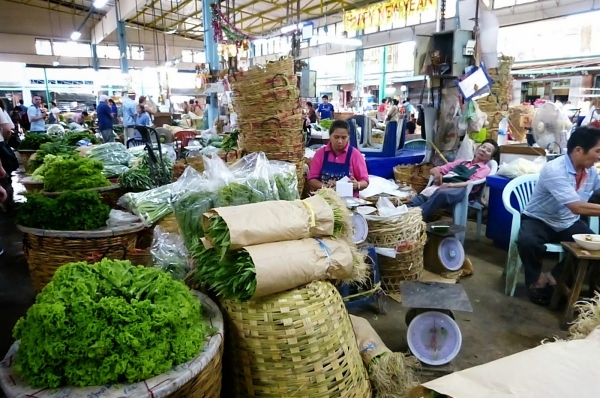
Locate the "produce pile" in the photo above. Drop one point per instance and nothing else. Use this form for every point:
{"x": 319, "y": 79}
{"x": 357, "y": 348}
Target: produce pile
{"x": 151, "y": 205}
{"x": 114, "y": 157}
{"x": 278, "y": 131}
{"x": 107, "y": 323}
{"x": 252, "y": 179}
{"x": 57, "y": 148}
{"x": 70, "y": 211}
{"x": 326, "y": 123}
{"x": 72, "y": 173}
{"x": 259, "y": 249}
{"x": 33, "y": 141}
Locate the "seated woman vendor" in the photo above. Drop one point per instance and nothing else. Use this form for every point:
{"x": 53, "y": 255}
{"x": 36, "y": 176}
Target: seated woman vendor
{"x": 337, "y": 160}
{"x": 553, "y": 213}
{"x": 450, "y": 181}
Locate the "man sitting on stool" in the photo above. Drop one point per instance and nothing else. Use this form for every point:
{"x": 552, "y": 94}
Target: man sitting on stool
{"x": 450, "y": 180}
{"x": 552, "y": 215}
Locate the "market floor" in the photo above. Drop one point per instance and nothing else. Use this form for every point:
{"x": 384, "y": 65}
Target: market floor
{"x": 498, "y": 326}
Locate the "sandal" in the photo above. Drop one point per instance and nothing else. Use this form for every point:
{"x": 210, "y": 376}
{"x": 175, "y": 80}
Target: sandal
{"x": 541, "y": 296}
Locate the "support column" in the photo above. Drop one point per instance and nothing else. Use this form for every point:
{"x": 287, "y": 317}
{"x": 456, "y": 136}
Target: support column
{"x": 122, "y": 43}
{"x": 359, "y": 60}
{"x": 95, "y": 63}
{"x": 251, "y": 55}
{"x": 383, "y": 73}
{"x": 212, "y": 56}
{"x": 48, "y": 99}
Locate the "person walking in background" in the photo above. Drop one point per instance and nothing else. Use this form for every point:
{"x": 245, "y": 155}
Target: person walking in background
{"x": 142, "y": 119}
{"x": 186, "y": 108}
{"x": 37, "y": 116}
{"x": 325, "y": 109}
{"x": 129, "y": 112}
{"x": 22, "y": 107}
{"x": 54, "y": 112}
{"x": 105, "y": 123}
{"x": 382, "y": 110}
{"x": 114, "y": 111}
{"x": 393, "y": 113}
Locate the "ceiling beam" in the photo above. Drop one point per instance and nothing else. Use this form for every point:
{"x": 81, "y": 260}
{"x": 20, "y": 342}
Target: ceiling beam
{"x": 125, "y": 9}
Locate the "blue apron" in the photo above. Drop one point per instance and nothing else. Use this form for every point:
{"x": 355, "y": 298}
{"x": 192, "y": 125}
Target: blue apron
{"x": 332, "y": 171}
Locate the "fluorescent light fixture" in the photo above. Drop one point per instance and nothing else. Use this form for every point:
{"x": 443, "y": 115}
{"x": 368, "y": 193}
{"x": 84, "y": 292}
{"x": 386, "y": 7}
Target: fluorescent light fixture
{"x": 55, "y": 63}
{"x": 172, "y": 31}
{"x": 100, "y": 3}
{"x": 193, "y": 21}
{"x": 75, "y": 35}
{"x": 291, "y": 28}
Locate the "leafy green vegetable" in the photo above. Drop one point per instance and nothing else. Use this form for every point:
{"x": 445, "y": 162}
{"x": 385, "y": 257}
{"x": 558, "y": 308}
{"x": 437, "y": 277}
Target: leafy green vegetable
{"x": 74, "y": 173}
{"x": 189, "y": 209}
{"x": 232, "y": 277}
{"x": 40, "y": 172}
{"x": 136, "y": 180}
{"x": 326, "y": 123}
{"x": 72, "y": 138}
{"x": 286, "y": 182}
{"x": 70, "y": 211}
{"x": 230, "y": 141}
{"x": 50, "y": 148}
{"x": 151, "y": 205}
{"x": 108, "y": 323}
{"x": 33, "y": 141}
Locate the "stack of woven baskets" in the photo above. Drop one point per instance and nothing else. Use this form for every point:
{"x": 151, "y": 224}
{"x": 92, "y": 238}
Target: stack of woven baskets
{"x": 406, "y": 234}
{"x": 413, "y": 175}
{"x": 266, "y": 100}
{"x": 496, "y": 104}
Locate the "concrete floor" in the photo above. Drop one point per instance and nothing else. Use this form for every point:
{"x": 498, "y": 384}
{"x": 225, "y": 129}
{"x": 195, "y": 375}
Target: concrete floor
{"x": 499, "y": 325}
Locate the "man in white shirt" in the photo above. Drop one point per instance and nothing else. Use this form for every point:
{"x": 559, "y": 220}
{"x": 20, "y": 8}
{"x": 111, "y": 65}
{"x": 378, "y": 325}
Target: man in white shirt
{"x": 129, "y": 114}
{"x": 6, "y": 125}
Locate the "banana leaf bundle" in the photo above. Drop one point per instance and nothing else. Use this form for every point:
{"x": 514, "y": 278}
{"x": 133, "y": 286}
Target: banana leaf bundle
{"x": 260, "y": 270}
{"x": 392, "y": 374}
{"x": 231, "y": 228}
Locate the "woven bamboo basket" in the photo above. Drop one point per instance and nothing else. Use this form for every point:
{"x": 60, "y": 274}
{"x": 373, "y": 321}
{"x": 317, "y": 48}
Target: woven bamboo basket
{"x": 47, "y": 250}
{"x": 415, "y": 175}
{"x": 297, "y": 343}
{"x": 407, "y": 235}
{"x": 108, "y": 195}
{"x": 198, "y": 378}
{"x": 31, "y": 186}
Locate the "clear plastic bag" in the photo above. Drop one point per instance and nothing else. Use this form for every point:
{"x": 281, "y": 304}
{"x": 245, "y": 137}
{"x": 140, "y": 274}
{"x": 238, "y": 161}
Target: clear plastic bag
{"x": 286, "y": 179}
{"x": 193, "y": 195}
{"x": 151, "y": 205}
{"x": 111, "y": 153}
{"x": 113, "y": 170}
{"x": 170, "y": 254}
{"x": 118, "y": 218}
{"x": 254, "y": 171}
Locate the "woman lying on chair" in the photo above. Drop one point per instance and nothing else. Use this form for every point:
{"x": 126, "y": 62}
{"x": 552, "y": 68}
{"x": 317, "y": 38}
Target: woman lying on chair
{"x": 450, "y": 181}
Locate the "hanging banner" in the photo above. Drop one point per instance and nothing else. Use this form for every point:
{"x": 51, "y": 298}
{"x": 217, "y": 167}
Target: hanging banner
{"x": 385, "y": 13}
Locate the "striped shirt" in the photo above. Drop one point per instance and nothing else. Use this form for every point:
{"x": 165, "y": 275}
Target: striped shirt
{"x": 556, "y": 188}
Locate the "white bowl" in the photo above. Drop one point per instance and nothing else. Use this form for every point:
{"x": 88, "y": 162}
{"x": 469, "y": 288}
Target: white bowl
{"x": 592, "y": 245}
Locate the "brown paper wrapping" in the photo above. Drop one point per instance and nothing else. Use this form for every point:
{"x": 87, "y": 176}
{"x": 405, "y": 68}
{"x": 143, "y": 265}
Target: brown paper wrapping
{"x": 285, "y": 265}
{"x": 370, "y": 344}
{"x": 274, "y": 221}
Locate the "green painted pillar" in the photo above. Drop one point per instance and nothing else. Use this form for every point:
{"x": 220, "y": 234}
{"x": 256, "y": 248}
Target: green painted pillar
{"x": 48, "y": 99}
{"x": 383, "y": 72}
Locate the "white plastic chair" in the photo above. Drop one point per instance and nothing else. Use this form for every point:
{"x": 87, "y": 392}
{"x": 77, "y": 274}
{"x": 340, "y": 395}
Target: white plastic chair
{"x": 522, "y": 188}
{"x": 461, "y": 209}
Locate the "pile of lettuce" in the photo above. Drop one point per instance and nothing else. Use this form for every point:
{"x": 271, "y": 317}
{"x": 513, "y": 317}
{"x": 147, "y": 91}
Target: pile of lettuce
{"x": 108, "y": 323}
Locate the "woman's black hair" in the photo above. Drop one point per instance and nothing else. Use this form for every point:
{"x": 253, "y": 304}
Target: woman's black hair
{"x": 383, "y": 101}
{"x": 396, "y": 102}
{"x": 309, "y": 104}
{"x": 325, "y": 97}
{"x": 53, "y": 103}
{"x": 494, "y": 144}
{"x": 585, "y": 137}
{"x": 339, "y": 124}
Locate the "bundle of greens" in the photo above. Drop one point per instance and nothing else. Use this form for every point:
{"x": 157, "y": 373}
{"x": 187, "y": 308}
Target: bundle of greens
{"x": 74, "y": 173}
{"x": 169, "y": 253}
{"x": 70, "y": 211}
{"x": 235, "y": 193}
{"x": 136, "y": 180}
{"x": 392, "y": 374}
{"x": 151, "y": 205}
{"x": 230, "y": 142}
{"x": 108, "y": 323}
{"x": 71, "y": 138}
{"x": 322, "y": 215}
{"x": 50, "y": 148}
{"x": 114, "y": 156}
{"x": 260, "y": 270}
{"x": 40, "y": 172}
{"x": 286, "y": 180}
{"x": 326, "y": 123}
{"x": 33, "y": 141}
{"x": 189, "y": 208}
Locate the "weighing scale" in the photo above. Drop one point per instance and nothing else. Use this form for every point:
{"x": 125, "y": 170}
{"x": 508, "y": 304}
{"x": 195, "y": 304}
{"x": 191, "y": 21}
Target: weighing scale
{"x": 368, "y": 293}
{"x": 433, "y": 335}
{"x": 443, "y": 253}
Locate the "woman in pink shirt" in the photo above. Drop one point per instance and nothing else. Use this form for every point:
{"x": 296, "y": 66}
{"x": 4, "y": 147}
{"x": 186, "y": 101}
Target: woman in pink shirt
{"x": 337, "y": 160}
{"x": 450, "y": 181}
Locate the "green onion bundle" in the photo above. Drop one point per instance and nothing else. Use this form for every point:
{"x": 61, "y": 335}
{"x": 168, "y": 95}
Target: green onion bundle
{"x": 233, "y": 228}
{"x": 150, "y": 206}
{"x": 189, "y": 209}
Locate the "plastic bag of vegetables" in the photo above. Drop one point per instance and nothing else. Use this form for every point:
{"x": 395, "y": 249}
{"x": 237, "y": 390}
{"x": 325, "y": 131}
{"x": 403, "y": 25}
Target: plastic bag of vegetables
{"x": 107, "y": 323}
{"x": 151, "y": 205}
{"x": 255, "y": 172}
{"x": 193, "y": 195}
{"x": 286, "y": 179}
{"x": 170, "y": 254}
{"x": 111, "y": 153}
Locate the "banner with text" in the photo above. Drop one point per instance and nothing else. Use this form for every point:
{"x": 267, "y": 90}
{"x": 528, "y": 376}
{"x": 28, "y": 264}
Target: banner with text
{"x": 385, "y": 13}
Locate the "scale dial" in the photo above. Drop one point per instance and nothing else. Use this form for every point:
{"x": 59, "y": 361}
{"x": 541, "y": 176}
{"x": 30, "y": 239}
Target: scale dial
{"x": 360, "y": 228}
{"x": 434, "y": 338}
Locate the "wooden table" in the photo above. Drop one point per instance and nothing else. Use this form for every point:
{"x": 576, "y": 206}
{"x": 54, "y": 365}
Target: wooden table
{"x": 576, "y": 265}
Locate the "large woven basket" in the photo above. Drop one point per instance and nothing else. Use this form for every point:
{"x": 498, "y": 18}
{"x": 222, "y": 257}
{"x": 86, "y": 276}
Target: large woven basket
{"x": 298, "y": 343}
{"x": 198, "y": 378}
{"x": 108, "y": 195}
{"x": 47, "y": 250}
{"x": 407, "y": 235}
